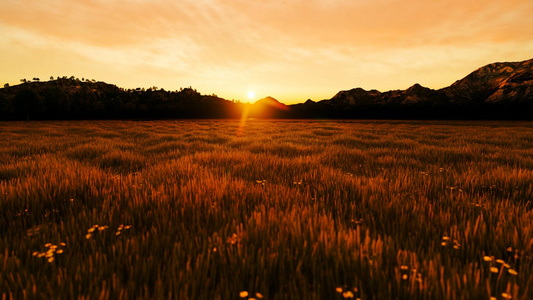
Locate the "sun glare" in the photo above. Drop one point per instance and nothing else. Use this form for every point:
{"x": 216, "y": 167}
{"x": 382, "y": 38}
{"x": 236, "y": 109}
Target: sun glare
{"x": 251, "y": 95}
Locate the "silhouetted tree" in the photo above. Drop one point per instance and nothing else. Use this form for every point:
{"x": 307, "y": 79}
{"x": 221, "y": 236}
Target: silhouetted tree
{"x": 56, "y": 102}
{"x": 130, "y": 108}
{"x": 6, "y": 85}
{"x": 28, "y": 102}
{"x": 6, "y": 106}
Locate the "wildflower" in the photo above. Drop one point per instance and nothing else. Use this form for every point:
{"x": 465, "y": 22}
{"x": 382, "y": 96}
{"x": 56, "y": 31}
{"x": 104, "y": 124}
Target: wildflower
{"x": 510, "y": 249}
{"x": 443, "y": 244}
{"x": 88, "y": 236}
{"x": 49, "y": 254}
{"x": 243, "y": 294}
{"x": 118, "y": 233}
{"x": 338, "y": 290}
{"x": 91, "y": 230}
{"x": 127, "y": 227}
{"x": 404, "y": 267}
{"x": 355, "y": 289}
{"x": 100, "y": 228}
{"x": 494, "y": 270}
{"x": 404, "y": 276}
{"x": 53, "y": 247}
{"x": 512, "y": 272}
{"x": 120, "y": 227}
{"x": 48, "y": 245}
{"x": 62, "y": 244}
{"x": 59, "y": 251}
{"x": 234, "y": 238}
{"x": 445, "y": 238}
{"x": 500, "y": 261}
{"x": 35, "y": 253}
{"x": 259, "y": 295}
{"x": 42, "y": 254}
{"x": 487, "y": 258}
{"x": 347, "y": 294}
{"x": 51, "y": 259}
{"x": 506, "y": 296}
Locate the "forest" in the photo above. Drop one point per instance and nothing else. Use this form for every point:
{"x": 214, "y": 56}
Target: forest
{"x": 72, "y": 98}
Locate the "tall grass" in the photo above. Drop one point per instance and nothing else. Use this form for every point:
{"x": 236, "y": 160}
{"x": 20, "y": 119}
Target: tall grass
{"x": 286, "y": 209}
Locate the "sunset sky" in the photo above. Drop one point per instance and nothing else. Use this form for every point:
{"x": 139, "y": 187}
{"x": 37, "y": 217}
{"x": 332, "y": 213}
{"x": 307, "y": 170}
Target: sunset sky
{"x": 291, "y": 50}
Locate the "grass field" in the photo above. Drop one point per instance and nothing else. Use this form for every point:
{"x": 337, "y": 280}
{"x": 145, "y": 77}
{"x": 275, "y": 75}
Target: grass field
{"x": 272, "y": 210}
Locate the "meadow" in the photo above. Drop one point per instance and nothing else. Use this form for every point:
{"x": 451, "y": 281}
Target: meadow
{"x": 211, "y": 209}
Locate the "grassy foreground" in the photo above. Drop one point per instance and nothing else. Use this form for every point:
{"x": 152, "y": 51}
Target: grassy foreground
{"x": 272, "y": 210}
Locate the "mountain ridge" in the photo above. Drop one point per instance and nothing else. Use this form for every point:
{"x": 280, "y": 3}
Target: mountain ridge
{"x": 504, "y": 86}
{"x": 502, "y": 90}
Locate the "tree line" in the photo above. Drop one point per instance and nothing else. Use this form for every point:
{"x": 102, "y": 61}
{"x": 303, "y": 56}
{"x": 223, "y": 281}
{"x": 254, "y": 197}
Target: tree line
{"x": 72, "y": 98}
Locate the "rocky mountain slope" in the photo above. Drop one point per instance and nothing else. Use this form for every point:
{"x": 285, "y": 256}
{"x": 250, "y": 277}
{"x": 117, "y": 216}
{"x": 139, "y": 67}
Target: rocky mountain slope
{"x": 495, "y": 83}
{"x": 499, "y": 90}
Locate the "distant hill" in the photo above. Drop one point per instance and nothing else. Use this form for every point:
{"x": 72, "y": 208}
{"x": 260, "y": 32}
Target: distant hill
{"x": 269, "y": 108}
{"x": 71, "y": 98}
{"x": 495, "y": 91}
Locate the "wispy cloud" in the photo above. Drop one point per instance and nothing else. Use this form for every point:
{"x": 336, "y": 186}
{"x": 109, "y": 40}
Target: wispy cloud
{"x": 285, "y": 47}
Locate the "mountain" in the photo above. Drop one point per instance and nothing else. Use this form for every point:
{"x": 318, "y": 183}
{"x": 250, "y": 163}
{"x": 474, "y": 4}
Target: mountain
{"x": 499, "y": 90}
{"x": 269, "y": 108}
{"x": 495, "y": 83}
{"x": 495, "y": 91}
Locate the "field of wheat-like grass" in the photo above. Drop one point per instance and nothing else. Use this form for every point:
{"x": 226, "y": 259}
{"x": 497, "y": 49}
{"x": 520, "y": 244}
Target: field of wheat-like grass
{"x": 273, "y": 210}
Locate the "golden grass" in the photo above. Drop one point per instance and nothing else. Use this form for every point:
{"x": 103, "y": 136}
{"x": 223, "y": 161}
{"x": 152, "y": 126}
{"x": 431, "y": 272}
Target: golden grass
{"x": 285, "y": 210}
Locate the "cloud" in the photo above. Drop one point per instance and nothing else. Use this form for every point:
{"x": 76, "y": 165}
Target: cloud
{"x": 221, "y": 25}
{"x": 293, "y": 45}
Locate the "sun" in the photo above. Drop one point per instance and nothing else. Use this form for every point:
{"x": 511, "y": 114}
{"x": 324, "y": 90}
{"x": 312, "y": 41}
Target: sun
{"x": 251, "y": 95}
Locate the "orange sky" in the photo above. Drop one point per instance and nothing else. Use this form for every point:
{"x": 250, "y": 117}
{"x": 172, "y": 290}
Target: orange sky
{"x": 292, "y": 49}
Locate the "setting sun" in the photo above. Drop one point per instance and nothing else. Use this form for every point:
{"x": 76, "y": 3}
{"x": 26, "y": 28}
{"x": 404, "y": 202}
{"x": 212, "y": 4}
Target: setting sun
{"x": 382, "y": 45}
{"x": 387, "y": 152}
{"x": 251, "y": 95}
